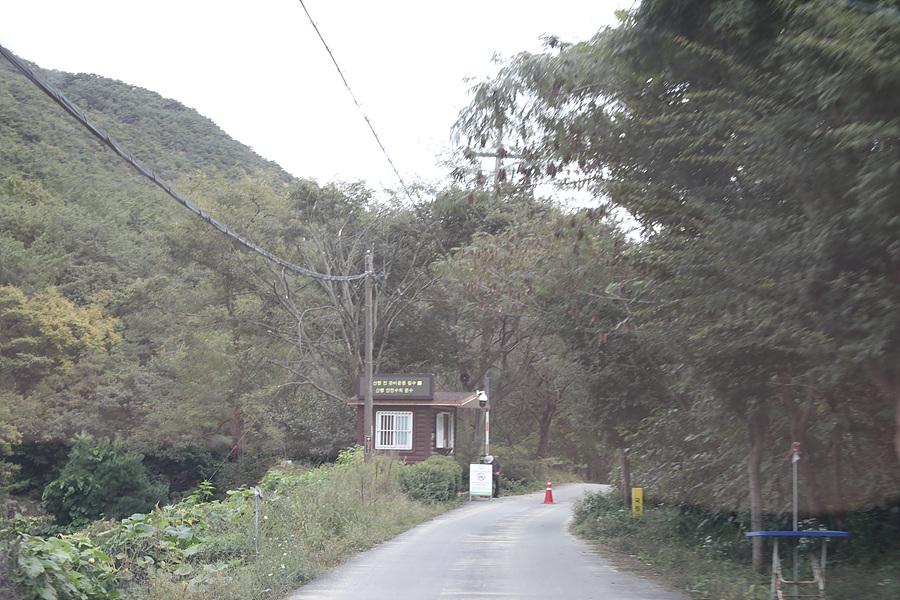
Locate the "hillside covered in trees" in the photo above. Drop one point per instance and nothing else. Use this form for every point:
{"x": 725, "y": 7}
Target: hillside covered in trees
{"x": 106, "y": 306}
{"x": 757, "y": 144}
{"x": 124, "y": 316}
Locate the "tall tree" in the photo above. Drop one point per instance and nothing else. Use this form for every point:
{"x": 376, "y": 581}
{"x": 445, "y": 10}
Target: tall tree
{"x": 517, "y": 297}
{"x": 45, "y": 334}
{"x": 754, "y": 143}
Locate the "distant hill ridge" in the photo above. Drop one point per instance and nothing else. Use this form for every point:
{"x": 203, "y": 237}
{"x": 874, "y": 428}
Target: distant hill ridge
{"x": 76, "y": 216}
{"x": 164, "y": 134}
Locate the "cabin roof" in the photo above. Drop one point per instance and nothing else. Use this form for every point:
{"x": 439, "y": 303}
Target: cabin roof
{"x": 458, "y": 399}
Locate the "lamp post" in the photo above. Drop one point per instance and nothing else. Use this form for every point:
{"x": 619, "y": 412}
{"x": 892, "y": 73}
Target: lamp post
{"x": 483, "y": 403}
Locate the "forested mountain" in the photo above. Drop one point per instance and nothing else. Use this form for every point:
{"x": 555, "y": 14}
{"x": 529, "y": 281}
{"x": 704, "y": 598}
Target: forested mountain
{"x": 124, "y": 315}
{"x": 50, "y": 160}
{"x": 93, "y": 251}
{"x": 173, "y": 138}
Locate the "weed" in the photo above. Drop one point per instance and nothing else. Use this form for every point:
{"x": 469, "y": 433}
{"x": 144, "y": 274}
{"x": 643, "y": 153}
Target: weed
{"x": 307, "y": 521}
{"x": 705, "y": 554}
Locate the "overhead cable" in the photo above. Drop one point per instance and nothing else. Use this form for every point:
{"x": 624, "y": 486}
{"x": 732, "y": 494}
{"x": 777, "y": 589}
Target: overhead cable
{"x": 116, "y": 147}
{"x": 356, "y": 102}
{"x": 372, "y": 128}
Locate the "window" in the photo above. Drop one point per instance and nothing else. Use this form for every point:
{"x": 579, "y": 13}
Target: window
{"x": 393, "y": 430}
{"x": 443, "y": 428}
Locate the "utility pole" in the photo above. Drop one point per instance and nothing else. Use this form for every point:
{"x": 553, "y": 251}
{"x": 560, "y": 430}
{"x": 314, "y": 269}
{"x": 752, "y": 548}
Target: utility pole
{"x": 368, "y": 420}
{"x": 498, "y": 156}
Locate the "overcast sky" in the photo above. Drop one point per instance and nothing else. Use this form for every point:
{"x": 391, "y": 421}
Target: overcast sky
{"x": 259, "y": 70}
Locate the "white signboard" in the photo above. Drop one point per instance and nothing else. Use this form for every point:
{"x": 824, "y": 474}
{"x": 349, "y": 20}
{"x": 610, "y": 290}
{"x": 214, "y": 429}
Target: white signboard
{"x": 480, "y": 482}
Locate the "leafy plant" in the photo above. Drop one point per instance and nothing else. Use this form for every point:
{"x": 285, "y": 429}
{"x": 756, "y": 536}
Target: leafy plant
{"x": 64, "y": 567}
{"x": 520, "y": 466}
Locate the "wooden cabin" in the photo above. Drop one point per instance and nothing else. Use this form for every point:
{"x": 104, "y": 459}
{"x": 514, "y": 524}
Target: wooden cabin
{"x": 411, "y": 418}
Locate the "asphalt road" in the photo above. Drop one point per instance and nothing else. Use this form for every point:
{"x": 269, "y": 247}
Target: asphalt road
{"x": 514, "y": 548}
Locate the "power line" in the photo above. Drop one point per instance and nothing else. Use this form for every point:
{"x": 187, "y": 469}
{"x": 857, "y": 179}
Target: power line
{"x": 116, "y": 147}
{"x": 372, "y": 129}
{"x": 122, "y": 152}
{"x": 109, "y": 141}
{"x": 355, "y": 101}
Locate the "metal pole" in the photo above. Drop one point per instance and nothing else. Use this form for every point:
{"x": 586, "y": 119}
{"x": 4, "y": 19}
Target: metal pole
{"x": 257, "y": 494}
{"x": 487, "y": 415}
{"x": 795, "y": 458}
{"x": 487, "y": 430}
{"x": 498, "y": 163}
{"x": 368, "y": 417}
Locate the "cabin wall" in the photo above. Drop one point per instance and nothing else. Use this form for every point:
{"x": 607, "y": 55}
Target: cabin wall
{"x": 423, "y": 432}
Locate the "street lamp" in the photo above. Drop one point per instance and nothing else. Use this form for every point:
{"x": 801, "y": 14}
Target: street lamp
{"x": 483, "y": 403}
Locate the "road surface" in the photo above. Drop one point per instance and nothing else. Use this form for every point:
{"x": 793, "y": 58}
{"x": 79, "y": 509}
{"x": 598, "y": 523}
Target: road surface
{"x": 512, "y": 548}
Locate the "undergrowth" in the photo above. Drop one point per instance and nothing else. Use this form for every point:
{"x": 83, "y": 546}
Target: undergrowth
{"x": 705, "y": 554}
{"x": 257, "y": 543}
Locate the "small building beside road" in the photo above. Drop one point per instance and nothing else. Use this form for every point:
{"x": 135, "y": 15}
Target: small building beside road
{"x": 410, "y": 418}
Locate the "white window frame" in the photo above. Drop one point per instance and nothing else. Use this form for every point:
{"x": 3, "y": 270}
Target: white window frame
{"x": 393, "y": 430}
{"x": 441, "y": 432}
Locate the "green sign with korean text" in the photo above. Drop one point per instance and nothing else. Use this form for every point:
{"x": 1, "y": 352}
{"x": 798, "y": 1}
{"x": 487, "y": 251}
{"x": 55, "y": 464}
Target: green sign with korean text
{"x": 404, "y": 386}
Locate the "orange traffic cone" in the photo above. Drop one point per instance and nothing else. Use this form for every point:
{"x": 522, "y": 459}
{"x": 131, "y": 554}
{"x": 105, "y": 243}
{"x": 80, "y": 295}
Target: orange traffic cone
{"x": 548, "y": 497}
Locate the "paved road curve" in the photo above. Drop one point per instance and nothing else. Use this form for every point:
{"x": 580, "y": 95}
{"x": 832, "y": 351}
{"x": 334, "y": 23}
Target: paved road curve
{"x": 514, "y": 548}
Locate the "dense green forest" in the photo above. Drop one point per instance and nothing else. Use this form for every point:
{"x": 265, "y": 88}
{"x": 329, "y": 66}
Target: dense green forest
{"x": 757, "y": 144}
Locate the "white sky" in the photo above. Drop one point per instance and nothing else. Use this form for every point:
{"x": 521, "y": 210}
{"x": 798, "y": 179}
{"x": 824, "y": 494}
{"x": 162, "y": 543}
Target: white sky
{"x": 259, "y": 70}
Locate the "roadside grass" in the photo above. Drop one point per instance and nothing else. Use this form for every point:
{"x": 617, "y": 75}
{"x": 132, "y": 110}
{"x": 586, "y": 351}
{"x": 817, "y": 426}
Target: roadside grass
{"x": 694, "y": 559}
{"x": 308, "y": 521}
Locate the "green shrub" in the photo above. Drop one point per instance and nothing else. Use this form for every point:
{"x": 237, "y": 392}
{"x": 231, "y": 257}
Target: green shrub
{"x": 597, "y": 506}
{"x": 603, "y": 515}
{"x": 38, "y": 464}
{"x": 519, "y": 466}
{"x": 704, "y": 552}
{"x": 7, "y": 473}
{"x": 102, "y": 478}
{"x": 875, "y": 533}
{"x": 309, "y": 521}
{"x": 184, "y": 467}
{"x": 435, "y": 480}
